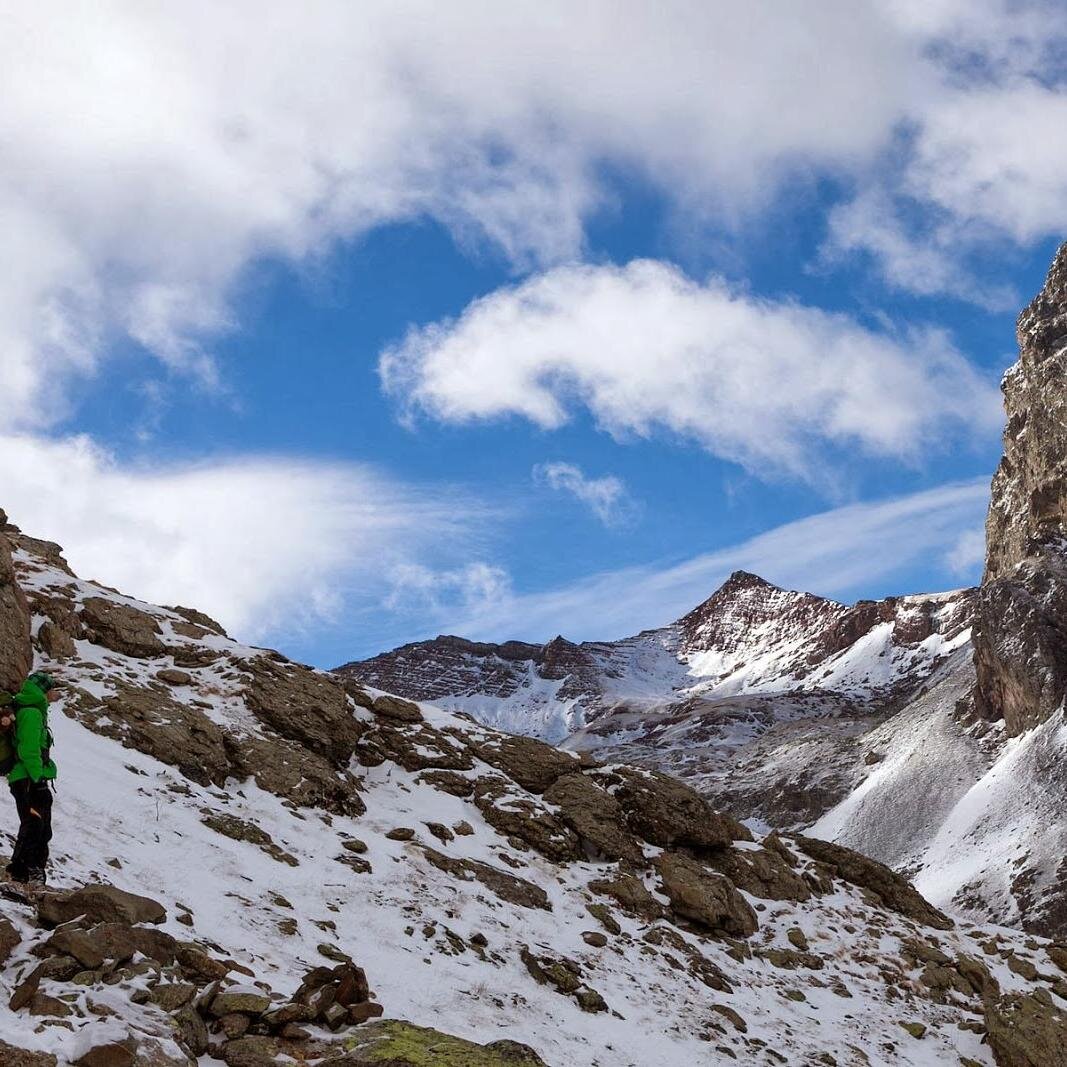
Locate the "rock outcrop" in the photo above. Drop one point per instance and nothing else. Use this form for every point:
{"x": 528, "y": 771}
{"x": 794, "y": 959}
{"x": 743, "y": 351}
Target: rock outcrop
{"x": 1020, "y": 633}
{"x": 16, "y": 654}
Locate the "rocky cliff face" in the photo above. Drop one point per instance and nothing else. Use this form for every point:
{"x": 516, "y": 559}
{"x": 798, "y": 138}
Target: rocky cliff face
{"x": 315, "y": 853}
{"x": 1020, "y": 633}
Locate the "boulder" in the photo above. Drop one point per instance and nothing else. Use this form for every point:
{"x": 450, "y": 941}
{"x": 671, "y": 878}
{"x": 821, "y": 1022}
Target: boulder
{"x": 305, "y": 705}
{"x": 630, "y": 894}
{"x": 11, "y": 1056}
{"x": 895, "y": 891}
{"x": 247, "y": 1001}
{"x": 54, "y": 642}
{"x": 16, "y": 652}
{"x": 198, "y": 618}
{"x": 595, "y": 816}
{"x": 99, "y": 902}
{"x": 763, "y": 872}
{"x": 108, "y": 1054}
{"x": 242, "y": 830}
{"x": 514, "y": 813}
{"x": 705, "y": 897}
{"x": 295, "y": 773}
{"x": 9, "y": 940}
{"x": 533, "y": 764}
{"x": 396, "y": 708}
{"x": 667, "y": 813}
{"x": 173, "y": 676}
{"x": 121, "y": 627}
{"x": 1026, "y": 1030}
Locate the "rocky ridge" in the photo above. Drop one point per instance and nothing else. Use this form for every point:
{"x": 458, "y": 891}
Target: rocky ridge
{"x": 749, "y": 637}
{"x": 538, "y": 905}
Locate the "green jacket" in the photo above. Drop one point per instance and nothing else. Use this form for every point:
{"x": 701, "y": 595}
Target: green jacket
{"x": 31, "y": 736}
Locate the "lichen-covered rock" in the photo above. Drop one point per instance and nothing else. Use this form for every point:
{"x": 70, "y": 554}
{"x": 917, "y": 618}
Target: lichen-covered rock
{"x": 122, "y": 628}
{"x": 16, "y": 653}
{"x": 705, "y": 897}
{"x": 1026, "y": 1031}
{"x": 895, "y": 891}
{"x": 400, "y": 1044}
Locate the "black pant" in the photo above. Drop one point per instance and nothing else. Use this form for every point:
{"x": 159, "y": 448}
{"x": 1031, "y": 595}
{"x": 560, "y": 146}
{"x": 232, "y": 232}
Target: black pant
{"x": 34, "y": 804}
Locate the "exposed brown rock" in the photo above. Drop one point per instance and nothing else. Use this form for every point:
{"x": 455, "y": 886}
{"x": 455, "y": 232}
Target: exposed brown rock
{"x": 762, "y": 872}
{"x": 667, "y": 813}
{"x": 198, "y": 618}
{"x": 508, "y": 887}
{"x": 401, "y": 710}
{"x": 16, "y": 654}
{"x": 705, "y": 897}
{"x": 630, "y": 894}
{"x": 514, "y": 813}
{"x": 154, "y": 723}
{"x": 305, "y": 705}
{"x": 1026, "y": 1031}
{"x": 121, "y": 627}
{"x": 10, "y": 1056}
{"x": 9, "y": 940}
{"x": 99, "y": 902}
{"x": 895, "y": 891}
{"x": 595, "y": 816}
{"x": 533, "y": 764}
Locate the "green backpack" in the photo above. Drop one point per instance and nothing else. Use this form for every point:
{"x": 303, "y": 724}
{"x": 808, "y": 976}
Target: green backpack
{"x": 8, "y": 756}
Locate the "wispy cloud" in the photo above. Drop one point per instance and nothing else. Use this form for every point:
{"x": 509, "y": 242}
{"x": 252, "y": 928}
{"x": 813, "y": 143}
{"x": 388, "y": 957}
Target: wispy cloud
{"x": 606, "y": 497}
{"x": 833, "y": 553}
{"x": 268, "y": 545}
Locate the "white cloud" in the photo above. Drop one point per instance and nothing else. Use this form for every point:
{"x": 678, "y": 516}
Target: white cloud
{"x": 414, "y": 587}
{"x": 607, "y": 497}
{"x": 153, "y": 152}
{"x": 645, "y": 349}
{"x": 967, "y": 556}
{"x": 266, "y": 545}
{"x": 834, "y": 553}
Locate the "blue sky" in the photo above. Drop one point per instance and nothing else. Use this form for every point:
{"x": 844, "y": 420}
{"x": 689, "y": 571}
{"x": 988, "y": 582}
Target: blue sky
{"x": 518, "y": 323}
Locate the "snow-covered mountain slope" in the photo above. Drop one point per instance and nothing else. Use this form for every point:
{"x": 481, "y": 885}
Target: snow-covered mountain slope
{"x": 749, "y": 637}
{"x": 493, "y": 888}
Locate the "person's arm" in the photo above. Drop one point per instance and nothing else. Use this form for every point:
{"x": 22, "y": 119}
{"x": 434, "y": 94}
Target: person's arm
{"x": 28, "y": 729}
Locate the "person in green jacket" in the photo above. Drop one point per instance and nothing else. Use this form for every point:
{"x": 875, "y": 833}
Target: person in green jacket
{"x": 30, "y": 777}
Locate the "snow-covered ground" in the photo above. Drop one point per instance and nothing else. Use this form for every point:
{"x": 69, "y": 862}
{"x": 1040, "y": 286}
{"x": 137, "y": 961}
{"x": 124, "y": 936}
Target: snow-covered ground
{"x": 130, "y": 819}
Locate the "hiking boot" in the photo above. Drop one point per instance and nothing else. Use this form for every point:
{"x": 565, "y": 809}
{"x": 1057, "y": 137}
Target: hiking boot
{"x": 36, "y": 876}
